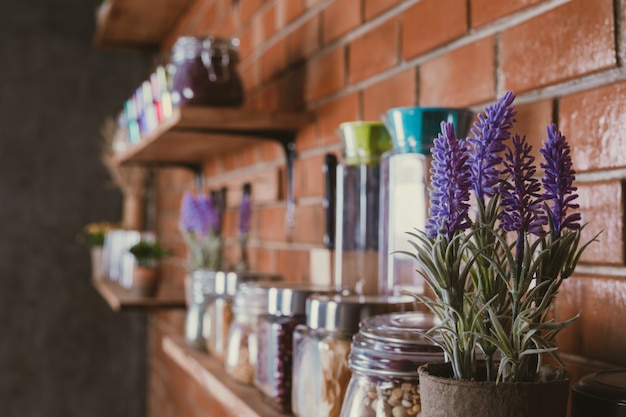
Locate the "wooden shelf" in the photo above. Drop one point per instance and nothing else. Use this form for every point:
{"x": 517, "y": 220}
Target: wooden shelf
{"x": 122, "y": 299}
{"x": 230, "y": 398}
{"x": 192, "y": 134}
{"x": 137, "y": 24}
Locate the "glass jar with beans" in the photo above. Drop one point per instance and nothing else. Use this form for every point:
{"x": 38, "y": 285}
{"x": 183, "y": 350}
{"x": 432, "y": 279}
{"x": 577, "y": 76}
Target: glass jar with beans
{"x": 385, "y": 355}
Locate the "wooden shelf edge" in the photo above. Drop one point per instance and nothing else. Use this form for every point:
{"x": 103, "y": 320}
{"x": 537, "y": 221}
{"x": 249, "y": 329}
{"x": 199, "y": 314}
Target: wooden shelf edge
{"x": 236, "y": 399}
{"x": 122, "y": 299}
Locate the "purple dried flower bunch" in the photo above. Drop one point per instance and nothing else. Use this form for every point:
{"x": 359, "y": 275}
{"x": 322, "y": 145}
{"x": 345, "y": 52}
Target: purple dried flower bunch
{"x": 200, "y": 225}
{"x": 494, "y": 277}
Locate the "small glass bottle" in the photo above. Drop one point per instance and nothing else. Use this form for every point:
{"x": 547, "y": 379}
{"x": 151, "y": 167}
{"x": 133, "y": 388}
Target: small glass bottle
{"x": 242, "y": 346}
{"x": 204, "y": 71}
{"x": 322, "y": 347}
{"x": 286, "y": 308}
{"x": 384, "y": 359}
{"x": 218, "y": 314}
{"x": 196, "y": 293}
{"x": 357, "y": 217}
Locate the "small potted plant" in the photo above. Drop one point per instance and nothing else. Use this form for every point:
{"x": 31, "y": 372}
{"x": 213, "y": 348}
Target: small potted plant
{"x": 94, "y": 235}
{"x": 146, "y": 273}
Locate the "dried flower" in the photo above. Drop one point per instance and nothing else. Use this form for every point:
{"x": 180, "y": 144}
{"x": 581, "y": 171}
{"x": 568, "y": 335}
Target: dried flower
{"x": 200, "y": 226}
{"x": 450, "y": 185}
{"x": 558, "y": 182}
{"x": 245, "y": 213}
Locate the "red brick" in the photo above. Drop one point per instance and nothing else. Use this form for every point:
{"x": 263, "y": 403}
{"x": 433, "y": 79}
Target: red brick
{"x": 425, "y": 26}
{"x": 309, "y": 178}
{"x": 291, "y": 87}
{"x": 593, "y": 122}
{"x": 395, "y": 91}
{"x": 246, "y": 43}
{"x": 287, "y": 11}
{"x": 306, "y": 138}
{"x": 326, "y": 74}
{"x": 331, "y": 115}
{"x": 304, "y": 40}
{"x": 208, "y": 19}
{"x": 460, "y": 77}
{"x": 375, "y": 7}
{"x": 293, "y": 264}
{"x": 485, "y": 11}
{"x": 271, "y": 151}
{"x": 598, "y": 334}
{"x": 374, "y": 52}
{"x": 339, "y": 18}
{"x": 274, "y": 59}
{"x": 226, "y": 27}
{"x": 270, "y": 223}
{"x": 602, "y": 209}
{"x": 262, "y": 259}
{"x": 569, "y": 41}
{"x": 247, "y": 8}
{"x": 532, "y": 121}
{"x": 251, "y": 75}
{"x": 268, "y": 21}
{"x": 310, "y": 222}
{"x": 310, "y": 3}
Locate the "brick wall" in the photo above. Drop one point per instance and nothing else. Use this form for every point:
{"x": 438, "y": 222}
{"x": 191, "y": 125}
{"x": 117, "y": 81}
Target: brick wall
{"x": 353, "y": 59}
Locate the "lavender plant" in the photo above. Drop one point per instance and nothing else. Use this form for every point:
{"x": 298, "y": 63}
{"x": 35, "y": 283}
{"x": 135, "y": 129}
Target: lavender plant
{"x": 494, "y": 278}
{"x": 200, "y": 225}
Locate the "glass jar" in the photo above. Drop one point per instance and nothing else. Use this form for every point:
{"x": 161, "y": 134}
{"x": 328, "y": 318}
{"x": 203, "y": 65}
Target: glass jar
{"x": 358, "y": 188}
{"x": 385, "y": 355}
{"x": 218, "y": 314}
{"x": 404, "y": 189}
{"x": 196, "y": 291}
{"x": 286, "y": 308}
{"x": 322, "y": 347}
{"x": 203, "y": 71}
{"x": 242, "y": 345}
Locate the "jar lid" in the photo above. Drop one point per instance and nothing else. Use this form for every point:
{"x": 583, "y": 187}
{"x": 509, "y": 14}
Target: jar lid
{"x": 226, "y": 283}
{"x": 288, "y": 298}
{"x": 364, "y": 142}
{"x": 390, "y": 344}
{"x": 605, "y": 386}
{"x": 345, "y": 312}
{"x": 251, "y": 298}
{"x": 187, "y": 47}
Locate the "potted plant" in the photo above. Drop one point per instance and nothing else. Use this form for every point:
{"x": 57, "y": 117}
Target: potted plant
{"x": 146, "y": 272}
{"x": 494, "y": 269}
{"x": 94, "y": 235}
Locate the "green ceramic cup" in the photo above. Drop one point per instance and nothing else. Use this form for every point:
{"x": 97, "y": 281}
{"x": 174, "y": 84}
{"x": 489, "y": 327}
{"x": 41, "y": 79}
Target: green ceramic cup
{"x": 364, "y": 142}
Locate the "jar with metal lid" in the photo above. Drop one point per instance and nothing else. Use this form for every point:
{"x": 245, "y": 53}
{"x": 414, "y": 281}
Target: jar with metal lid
{"x": 322, "y": 347}
{"x": 384, "y": 358}
{"x": 286, "y": 308}
{"x": 204, "y": 71}
{"x": 242, "y": 346}
{"x": 218, "y": 314}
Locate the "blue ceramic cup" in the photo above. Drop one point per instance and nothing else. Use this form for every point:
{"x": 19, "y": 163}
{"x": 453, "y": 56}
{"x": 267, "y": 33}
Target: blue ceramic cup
{"x": 413, "y": 129}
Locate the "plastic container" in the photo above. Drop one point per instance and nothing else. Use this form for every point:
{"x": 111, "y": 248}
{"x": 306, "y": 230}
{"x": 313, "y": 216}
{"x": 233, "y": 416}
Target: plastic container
{"x": 357, "y": 205}
{"x": 218, "y": 314}
{"x": 322, "y": 347}
{"x": 242, "y": 345}
{"x": 384, "y": 359}
{"x": 204, "y": 71}
{"x": 286, "y": 308}
{"x": 404, "y": 189}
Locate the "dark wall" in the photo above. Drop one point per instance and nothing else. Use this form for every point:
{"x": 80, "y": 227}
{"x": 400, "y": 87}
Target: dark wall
{"x": 63, "y": 352}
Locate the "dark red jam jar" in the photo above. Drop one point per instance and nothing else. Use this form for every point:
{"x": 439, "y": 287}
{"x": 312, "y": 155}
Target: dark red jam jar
{"x": 203, "y": 72}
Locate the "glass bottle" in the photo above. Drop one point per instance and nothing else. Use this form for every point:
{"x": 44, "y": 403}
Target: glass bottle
{"x": 286, "y": 308}
{"x": 203, "y": 71}
{"x": 358, "y": 187}
{"x": 404, "y": 189}
{"x": 218, "y": 314}
{"x": 197, "y": 289}
{"x": 242, "y": 345}
{"x": 322, "y": 347}
{"x": 385, "y": 355}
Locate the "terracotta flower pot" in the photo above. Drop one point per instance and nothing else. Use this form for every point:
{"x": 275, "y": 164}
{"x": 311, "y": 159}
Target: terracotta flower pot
{"x": 145, "y": 281}
{"x": 97, "y": 267}
{"x": 443, "y": 396}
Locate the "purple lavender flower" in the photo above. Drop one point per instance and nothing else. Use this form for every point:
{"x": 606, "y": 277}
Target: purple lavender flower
{"x": 559, "y": 193}
{"x": 490, "y": 131}
{"x": 198, "y": 215}
{"x": 245, "y": 213}
{"x": 449, "y": 198}
{"x": 521, "y": 200}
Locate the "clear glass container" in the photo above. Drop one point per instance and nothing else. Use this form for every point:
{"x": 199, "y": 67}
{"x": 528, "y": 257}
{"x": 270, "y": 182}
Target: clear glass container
{"x": 286, "y": 308}
{"x": 242, "y": 345}
{"x": 322, "y": 347}
{"x": 197, "y": 287}
{"x": 404, "y": 189}
{"x": 218, "y": 314}
{"x": 203, "y": 71}
{"x": 357, "y": 205}
{"x": 384, "y": 358}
